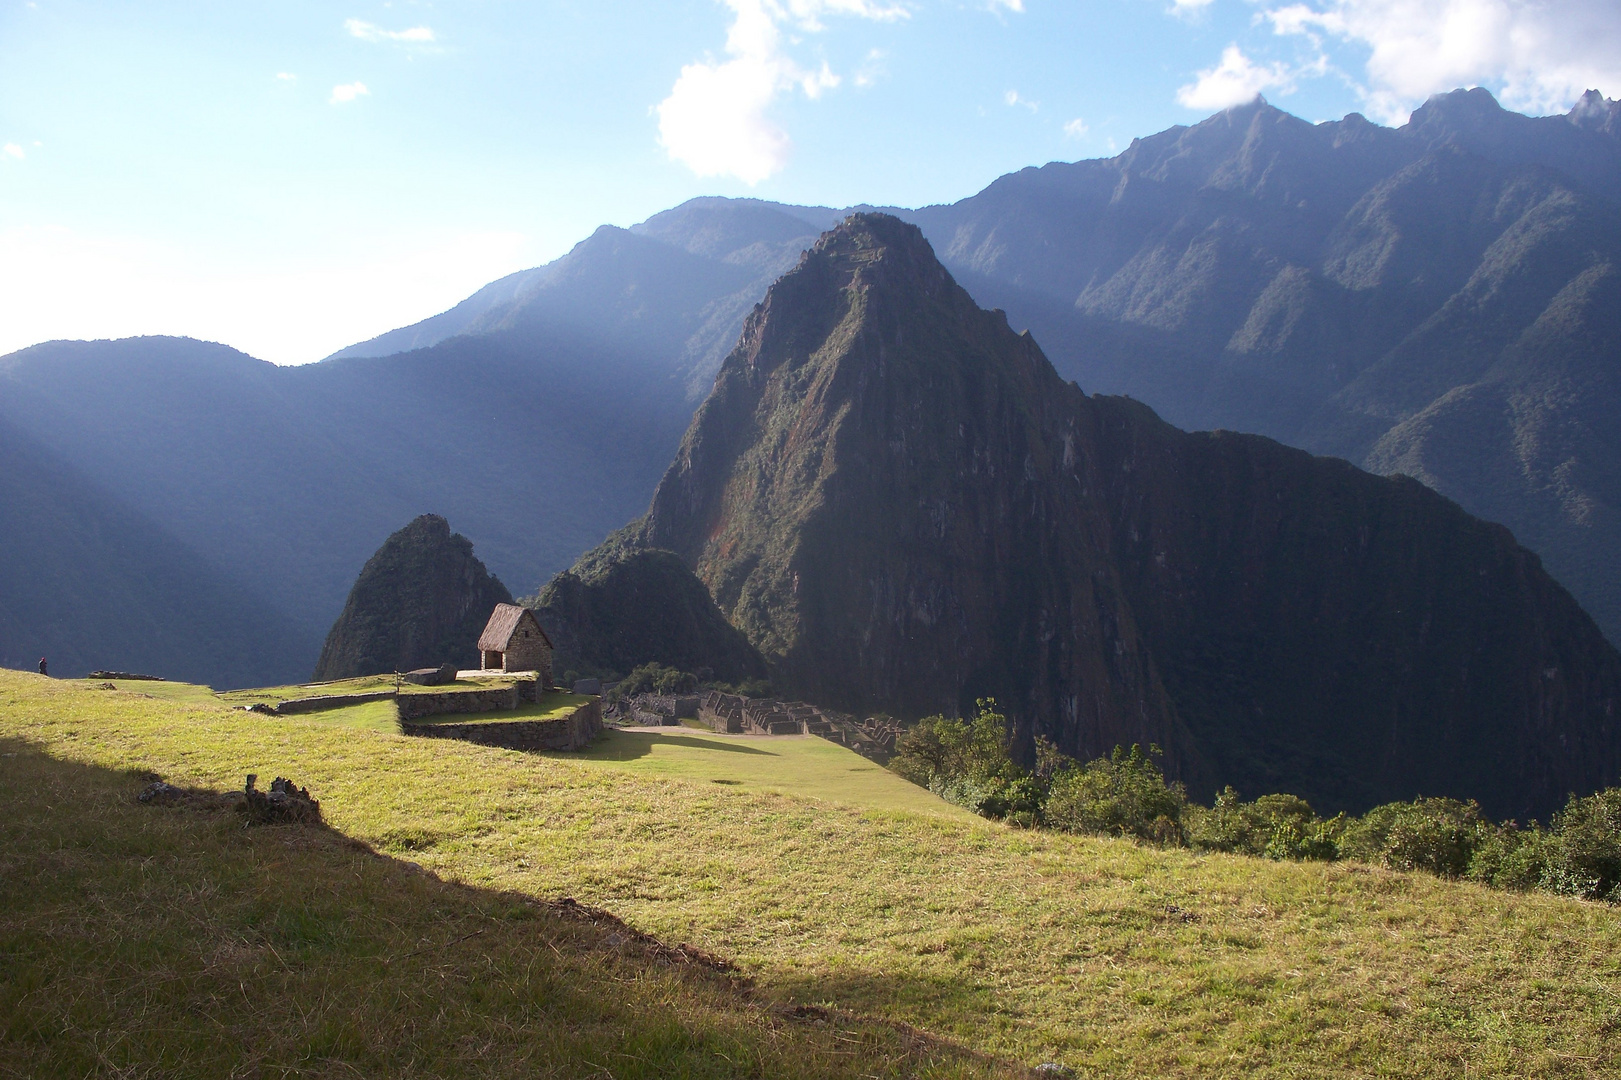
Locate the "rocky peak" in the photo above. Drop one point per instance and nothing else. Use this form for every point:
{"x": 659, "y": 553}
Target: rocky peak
{"x": 899, "y": 503}
{"x": 1596, "y": 113}
{"x": 420, "y": 601}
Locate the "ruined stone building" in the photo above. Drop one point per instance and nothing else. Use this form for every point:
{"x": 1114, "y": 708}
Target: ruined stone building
{"x": 514, "y": 641}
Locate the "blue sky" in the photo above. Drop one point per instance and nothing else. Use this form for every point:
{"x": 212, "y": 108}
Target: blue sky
{"x": 290, "y": 177}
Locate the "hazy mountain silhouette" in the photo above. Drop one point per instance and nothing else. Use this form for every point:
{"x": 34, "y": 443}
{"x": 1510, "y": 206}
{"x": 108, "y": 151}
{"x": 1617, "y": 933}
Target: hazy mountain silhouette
{"x": 91, "y": 584}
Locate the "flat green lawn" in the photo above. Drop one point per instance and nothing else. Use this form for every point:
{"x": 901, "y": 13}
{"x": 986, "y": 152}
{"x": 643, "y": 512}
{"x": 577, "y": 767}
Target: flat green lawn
{"x": 801, "y": 765}
{"x": 1111, "y": 958}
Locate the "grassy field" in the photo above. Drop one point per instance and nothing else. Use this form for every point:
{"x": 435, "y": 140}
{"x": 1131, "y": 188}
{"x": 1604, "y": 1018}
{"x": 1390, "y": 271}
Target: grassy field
{"x": 800, "y": 765}
{"x": 1113, "y": 959}
{"x": 369, "y": 684}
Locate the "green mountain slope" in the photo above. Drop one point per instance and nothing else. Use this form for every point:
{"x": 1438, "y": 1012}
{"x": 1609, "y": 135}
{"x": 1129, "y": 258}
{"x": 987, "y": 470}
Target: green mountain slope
{"x": 421, "y": 601}
{"x": 91, "y": 584}
{"x": 904, "y": 507}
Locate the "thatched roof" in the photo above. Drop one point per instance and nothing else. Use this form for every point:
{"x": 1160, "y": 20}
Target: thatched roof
{"x": 503, "y": 624}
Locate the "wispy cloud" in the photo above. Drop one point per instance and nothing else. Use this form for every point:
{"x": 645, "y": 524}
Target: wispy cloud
{"x": 1076, "y": 128}
{"x": 286, "y": 76}
{"x": 365, "y": 31}
{"x": 12, "y": 150}
{"x": 1012, "y": 98}
{"x": 345, "y": 92}
{"x": 1234, "y": 81}
{"x": 715, "y": 120}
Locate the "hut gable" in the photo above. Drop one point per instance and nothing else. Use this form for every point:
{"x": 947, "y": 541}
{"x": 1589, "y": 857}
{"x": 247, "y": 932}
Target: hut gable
{"x": 514, "y": 641}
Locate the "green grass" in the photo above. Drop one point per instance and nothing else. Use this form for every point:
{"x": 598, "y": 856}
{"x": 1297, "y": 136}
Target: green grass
{"x": 800, "y": 765}
{"x": 1115, "y": 959}
{"x": 368, "y": 684}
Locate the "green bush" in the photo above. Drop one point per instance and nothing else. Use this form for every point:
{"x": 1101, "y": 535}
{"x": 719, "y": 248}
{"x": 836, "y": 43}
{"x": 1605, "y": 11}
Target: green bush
{"x": 1439, "y": 835}
{"x": 970, "y": 763}
{"x": 1124, "y": 794}
{"x": 1273, "y": 826}
{"x": 654, "y": 679}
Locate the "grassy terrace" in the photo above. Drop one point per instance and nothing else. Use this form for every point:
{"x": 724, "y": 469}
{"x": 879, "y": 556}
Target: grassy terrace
{"x": 156, "y": 940}
{"x": 369, "y": 684}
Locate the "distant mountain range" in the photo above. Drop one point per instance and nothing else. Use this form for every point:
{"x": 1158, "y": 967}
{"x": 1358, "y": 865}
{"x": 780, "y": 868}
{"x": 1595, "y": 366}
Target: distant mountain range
{"x": 904, "y": 508}
{"x": 1438, "y": 299}
{"x": 90, "y": 583}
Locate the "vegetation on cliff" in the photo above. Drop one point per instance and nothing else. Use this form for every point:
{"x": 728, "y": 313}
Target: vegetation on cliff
{"x": 421, "y": 601}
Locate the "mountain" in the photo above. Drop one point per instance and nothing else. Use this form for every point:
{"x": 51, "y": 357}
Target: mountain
{"x": 623, "y": 606}
{"x": 1437, "y": 299}
{"x": 1440, "y": 299}
{"x": 904, "y": 507}
{"x": 539, "y": 430}
{"x": 421, "y": 601}
{"x": 91, "y": 584}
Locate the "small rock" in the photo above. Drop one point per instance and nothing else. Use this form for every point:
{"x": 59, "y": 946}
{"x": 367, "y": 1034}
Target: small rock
{"x": 159, "y": 792}
{"x": 1052, "y": 1068}
{"x": 285, "y": 803}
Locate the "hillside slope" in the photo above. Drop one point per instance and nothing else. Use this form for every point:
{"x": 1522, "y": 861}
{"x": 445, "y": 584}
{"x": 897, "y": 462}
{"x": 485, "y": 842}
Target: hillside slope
{"x": 905, "y": 508}
{"x": 1111, "y": 959}
{"x": 90, "y": 584}
{"x": 421, "y": 601}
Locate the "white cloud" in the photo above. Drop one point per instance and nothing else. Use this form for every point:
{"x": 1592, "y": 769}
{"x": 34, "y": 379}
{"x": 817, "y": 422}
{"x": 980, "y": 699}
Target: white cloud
{"x": 1234, "y": 81}
{"x": 1076, "y": 128}
{"x": 12, "y": 150}
{"x": 715, "y": 120}
{"x": 286, "y": 76}
{"x": 1012, "y": 98}
{"x": 1189, "y": 7}
{"x": 365, "y": 31}
{"x": 1016, "y": 6}
{"x": 1540, "y": 54}
{"x": 348, "y": 92}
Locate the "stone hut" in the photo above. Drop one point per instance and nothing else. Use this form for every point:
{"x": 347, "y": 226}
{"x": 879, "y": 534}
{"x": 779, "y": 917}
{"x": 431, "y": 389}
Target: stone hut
{"x": 514, "y": 641}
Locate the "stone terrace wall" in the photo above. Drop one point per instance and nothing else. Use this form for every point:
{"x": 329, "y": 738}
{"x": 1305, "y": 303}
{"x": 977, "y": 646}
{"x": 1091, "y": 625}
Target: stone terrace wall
{"x": 572, "y": 732}
{"x": 328, "y": 701}
{"x": 416, "y": 706}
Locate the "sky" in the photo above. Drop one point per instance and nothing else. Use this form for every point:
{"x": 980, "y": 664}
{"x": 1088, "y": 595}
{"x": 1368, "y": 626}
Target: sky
{"x": 290, "y": 177}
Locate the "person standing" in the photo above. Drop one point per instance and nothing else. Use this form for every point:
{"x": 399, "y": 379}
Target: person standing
{"x": 42, "y": 670}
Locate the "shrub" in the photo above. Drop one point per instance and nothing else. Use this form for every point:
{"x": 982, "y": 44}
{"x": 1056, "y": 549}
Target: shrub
{"x": 1124, "y": 794}
{"x": 1439, "y": 835}
{"x": 1582, "y": 853}
{"x": 970, "y": 763}
{"x": 1273, "y": 826}
{"x": 654, "y": 679}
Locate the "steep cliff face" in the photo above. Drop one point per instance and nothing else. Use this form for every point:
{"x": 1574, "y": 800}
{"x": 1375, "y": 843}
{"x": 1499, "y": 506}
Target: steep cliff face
{"x": 902, "y": 505}
{"x": 421, "y": 601}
